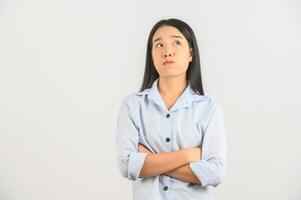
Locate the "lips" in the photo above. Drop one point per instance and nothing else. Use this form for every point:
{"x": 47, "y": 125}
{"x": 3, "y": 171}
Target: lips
{"x": 168, "y": 62}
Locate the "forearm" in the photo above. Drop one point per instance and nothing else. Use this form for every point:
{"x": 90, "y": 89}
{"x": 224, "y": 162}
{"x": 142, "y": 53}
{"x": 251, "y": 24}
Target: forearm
{"x": 183, "y": 173}
{"x": 160, "y": 163}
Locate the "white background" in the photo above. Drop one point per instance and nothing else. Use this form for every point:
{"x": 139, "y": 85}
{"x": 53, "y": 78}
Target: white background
{"x": 65, "y": 65}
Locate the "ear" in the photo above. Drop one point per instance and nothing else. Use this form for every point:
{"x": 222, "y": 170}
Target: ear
{"x": 191, "y": 54}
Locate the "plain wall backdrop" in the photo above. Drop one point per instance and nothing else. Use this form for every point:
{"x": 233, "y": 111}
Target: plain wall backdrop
{"x": 65, "y": 66}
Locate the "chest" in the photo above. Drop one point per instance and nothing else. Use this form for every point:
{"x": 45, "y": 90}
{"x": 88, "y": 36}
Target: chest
{"x": 178, "y": 130}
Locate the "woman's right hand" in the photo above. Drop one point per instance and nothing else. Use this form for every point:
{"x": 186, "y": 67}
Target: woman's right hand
{"x": 193, "y": 154}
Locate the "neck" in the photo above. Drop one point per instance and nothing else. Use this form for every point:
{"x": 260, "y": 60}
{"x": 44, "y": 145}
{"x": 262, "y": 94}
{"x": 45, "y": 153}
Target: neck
{"x": 172, "y": 87}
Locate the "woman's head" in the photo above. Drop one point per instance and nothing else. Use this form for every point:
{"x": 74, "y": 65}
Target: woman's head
{"x": 172, "y": 40}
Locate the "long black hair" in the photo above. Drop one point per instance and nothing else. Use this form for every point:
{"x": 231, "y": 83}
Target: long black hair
{"x": 193, "y": 74}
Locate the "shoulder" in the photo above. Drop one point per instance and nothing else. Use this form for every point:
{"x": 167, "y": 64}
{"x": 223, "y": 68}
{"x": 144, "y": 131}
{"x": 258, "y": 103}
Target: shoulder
{"x": 135, "y": 97}
{"x": 205, "y": 100}
{"x": 207, "y": 105}
{"x": 213, "y": 104}
{"x": 213, "y": 107}
{"x": 132, "y": 99}
{"x": 202, "y": 98}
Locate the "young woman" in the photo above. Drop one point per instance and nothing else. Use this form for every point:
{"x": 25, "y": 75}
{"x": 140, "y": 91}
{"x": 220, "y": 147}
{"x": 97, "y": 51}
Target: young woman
{"x": 170, "y": 137}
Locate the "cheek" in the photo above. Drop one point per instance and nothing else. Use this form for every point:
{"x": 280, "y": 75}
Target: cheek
{"x": 156, "y": 57}
{"x": 183, "y": 58}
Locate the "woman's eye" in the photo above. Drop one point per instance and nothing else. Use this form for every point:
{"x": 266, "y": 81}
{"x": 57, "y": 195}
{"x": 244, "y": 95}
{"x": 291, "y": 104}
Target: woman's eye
{"x": 158, "y": 45}
{"x": 177, "y": 42}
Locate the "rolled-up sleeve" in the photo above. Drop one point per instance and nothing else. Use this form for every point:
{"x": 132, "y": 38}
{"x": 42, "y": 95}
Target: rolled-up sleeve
{"x": 129, "y": 160}
{"x": 210, "y": 170}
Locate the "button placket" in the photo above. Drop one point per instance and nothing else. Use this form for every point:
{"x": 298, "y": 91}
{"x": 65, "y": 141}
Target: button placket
{"x": 167, "y": 139}
{"x": 169, "y": 144}
{"x": 169, "y": 129}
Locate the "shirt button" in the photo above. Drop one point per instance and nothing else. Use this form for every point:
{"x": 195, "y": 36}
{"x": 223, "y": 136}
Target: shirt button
{"x": 165, "y": 188}
{"x": 167, "y": 139}
{"x": 168, "y": 115}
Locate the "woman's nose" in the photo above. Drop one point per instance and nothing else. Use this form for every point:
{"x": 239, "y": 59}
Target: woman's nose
{"x": 168, "y": 53}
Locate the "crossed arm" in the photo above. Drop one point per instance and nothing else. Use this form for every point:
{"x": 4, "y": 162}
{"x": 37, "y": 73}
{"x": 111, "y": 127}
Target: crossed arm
{"x": 173, "y": 164}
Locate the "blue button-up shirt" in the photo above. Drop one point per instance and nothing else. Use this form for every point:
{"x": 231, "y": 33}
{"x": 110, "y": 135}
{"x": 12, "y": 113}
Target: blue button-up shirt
{"x": 193, "y": 121}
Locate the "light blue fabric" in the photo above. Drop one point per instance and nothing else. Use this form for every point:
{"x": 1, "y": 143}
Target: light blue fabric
{"x": 195, "y": 121}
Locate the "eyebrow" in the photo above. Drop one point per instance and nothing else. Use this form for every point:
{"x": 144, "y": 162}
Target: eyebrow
{"x": 175, "y": 36}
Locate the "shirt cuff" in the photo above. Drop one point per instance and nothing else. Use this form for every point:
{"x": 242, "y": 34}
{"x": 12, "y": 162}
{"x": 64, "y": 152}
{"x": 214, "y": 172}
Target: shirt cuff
{"x": 205, "y": 172}
{"x": 136, "y": 160}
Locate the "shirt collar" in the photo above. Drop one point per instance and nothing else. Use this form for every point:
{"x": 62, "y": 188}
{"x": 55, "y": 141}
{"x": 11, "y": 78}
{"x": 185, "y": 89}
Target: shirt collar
{"x": 184, "y": 101}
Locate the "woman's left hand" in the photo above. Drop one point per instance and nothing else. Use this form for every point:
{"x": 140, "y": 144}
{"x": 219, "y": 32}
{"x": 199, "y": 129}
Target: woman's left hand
{"x": 143, "y": 149}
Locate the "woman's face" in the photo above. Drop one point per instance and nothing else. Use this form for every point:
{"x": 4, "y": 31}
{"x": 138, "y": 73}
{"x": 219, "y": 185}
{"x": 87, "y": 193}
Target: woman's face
{"x": 169, "y": 44}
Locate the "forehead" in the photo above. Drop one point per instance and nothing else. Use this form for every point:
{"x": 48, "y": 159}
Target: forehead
{"x": 166, "y": 32}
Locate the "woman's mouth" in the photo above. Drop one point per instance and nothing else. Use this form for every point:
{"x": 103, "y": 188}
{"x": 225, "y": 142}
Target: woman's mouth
{"x": 168, "y": 62}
